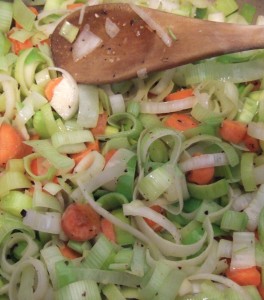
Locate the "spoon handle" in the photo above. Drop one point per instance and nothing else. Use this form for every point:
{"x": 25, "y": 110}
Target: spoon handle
{"x": 198, "y": 39}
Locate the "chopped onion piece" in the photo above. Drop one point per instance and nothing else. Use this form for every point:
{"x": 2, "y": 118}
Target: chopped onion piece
{"x": 111, "y": 28}
{"x": 256, "y": 130}
{"x": 85, "y": 43}
{"x": 153, "y": 25}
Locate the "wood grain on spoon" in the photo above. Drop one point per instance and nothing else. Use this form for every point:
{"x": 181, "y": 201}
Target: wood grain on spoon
{"x": 138, "y": 47}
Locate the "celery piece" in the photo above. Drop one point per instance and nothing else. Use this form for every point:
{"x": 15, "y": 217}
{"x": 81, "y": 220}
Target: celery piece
{"x": 5, "y": 44}
{"x": 248, "y": 111}
{"x": 158, "y": 151}
{"x": 208, "y": 191}
{"x": 248, "y": 11}
{"x": 6, "y": 16}
{"x": 205, "y": 209}
{"x": 226, "y": 6}
{"x": 101, "y": 254}
{"x": 69, "y": 31}
{"x": 252, "y": 291}
{"x": 121, "y": 87}
{"x": 14, "y": 202}
{"x": 112, "y": 292}
{"x": 23, "y": 15}
{"x": 234, "y": 220}
{"x": 39, "y": 125}
{"x": 123, "y": 238}
{"x": 79, "y": 247}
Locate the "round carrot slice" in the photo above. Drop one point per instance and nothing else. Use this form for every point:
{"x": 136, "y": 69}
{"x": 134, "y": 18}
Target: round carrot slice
{"x": 180, "y": 122}
{"x": 80, "y": 222}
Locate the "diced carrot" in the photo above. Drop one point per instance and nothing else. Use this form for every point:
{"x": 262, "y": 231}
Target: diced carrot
{"x": 180, "y": 122}
{"x": 233, "y": 131}
{"x": 80, "y": 222}
{"x": 108, "y": 229}
{"x": 153, "y": 224}
{"x": 261, "y": 291}
{"x": 68, "y": 252}
{"x": 24, "y": 151}
{"x": 248, "y": 276}
{"x": 17, "y": 46}
{"x": 92, "y": 146}
{"x": 101, "y": 125}
{"x": 201, "y": 176}
{"x": 49, "y": 88}
{"x": 181, "y": 94}
{"x": 11, "y": 143}
{"x": 35, "y": 12}
{"x": 109, "y": 155}
{"x": 251, "y": 143}
{"x": 74, "y": 5}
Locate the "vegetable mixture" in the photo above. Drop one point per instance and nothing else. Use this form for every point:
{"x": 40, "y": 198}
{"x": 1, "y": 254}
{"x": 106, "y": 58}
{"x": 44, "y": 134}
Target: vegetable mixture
{"x": 151, "y": 188}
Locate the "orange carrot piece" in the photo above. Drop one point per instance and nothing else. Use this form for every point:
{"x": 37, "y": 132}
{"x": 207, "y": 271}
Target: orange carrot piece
{"x": 49, "y": 89}
{"x": 108, "y": 230}
{"x": 248, "y": 276}
{"x": 233, "y": 131}
{"x": 24, "y": 151}
{"x": 101, "y": 125}
{"x": 261, "y": 291}
{"x": 153, "y": 224}
{"x": 39, "y": 166}
{"x": 251, "y": 143}
{"x": 11, "y": 143}
{"x": 180, "y": 122}
{"x": 201, "y": 176}
{"x": 80, "y": 222}
{"x": 109, "y": 155}
{"x": 92, "y": 146}
{"x": 68, "y": 252}
{"x": 17, "y": 46}
{"x": 74, "y": 5}
{"x": 181, "y": 94}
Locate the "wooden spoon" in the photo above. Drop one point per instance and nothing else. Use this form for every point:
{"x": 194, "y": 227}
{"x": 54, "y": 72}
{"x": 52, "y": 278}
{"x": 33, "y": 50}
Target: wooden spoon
{"x": 137, "y": 47}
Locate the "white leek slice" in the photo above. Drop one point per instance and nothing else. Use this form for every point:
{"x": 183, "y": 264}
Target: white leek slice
{"x": 49, "y": 222}
{"x": 243, "y": 251}
{"x": 88, "y": 112}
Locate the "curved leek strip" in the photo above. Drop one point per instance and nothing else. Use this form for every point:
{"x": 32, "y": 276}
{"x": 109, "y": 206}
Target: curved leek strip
{"x": 132, "y": 230}
{"x": 112, "y": 201}
{"x": 12, "y": 180}
{"x": 45, "y": 149}
{"x": 49, "y": 222}
{"x": 230, "y": 152}
{"x": 49, "y": 27}
{"x": 195, "y": 261}
{"x": 10, "y": 241}
{"x": 60, "y": 139}
{"x": 223, "y": 280}
{"x": 40, "y": 280}
{"x": 210, "y": 264}
{"x": 212, "y": 70}
{"x": 169, "y": 248}
{"x": 196, "y": 139}
{"x": 209, "y": 191}
{"x": 167, "y": 107}
{"x": 26, "y": 65}
{"x": 247, "y": 172}
{"x": 27, "y": 164}
{"x": 11, "y": 94}
{"x": 163, "y": 83}
{"x": 44, "y": 200}
{"x": 137, "y": 209}
{"x": 129, "y": 125}
{"x": 51, "y": 255}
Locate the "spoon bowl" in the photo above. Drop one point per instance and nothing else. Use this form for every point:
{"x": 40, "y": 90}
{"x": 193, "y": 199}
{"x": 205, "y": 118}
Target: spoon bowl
{"x": 138, "y": 48}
